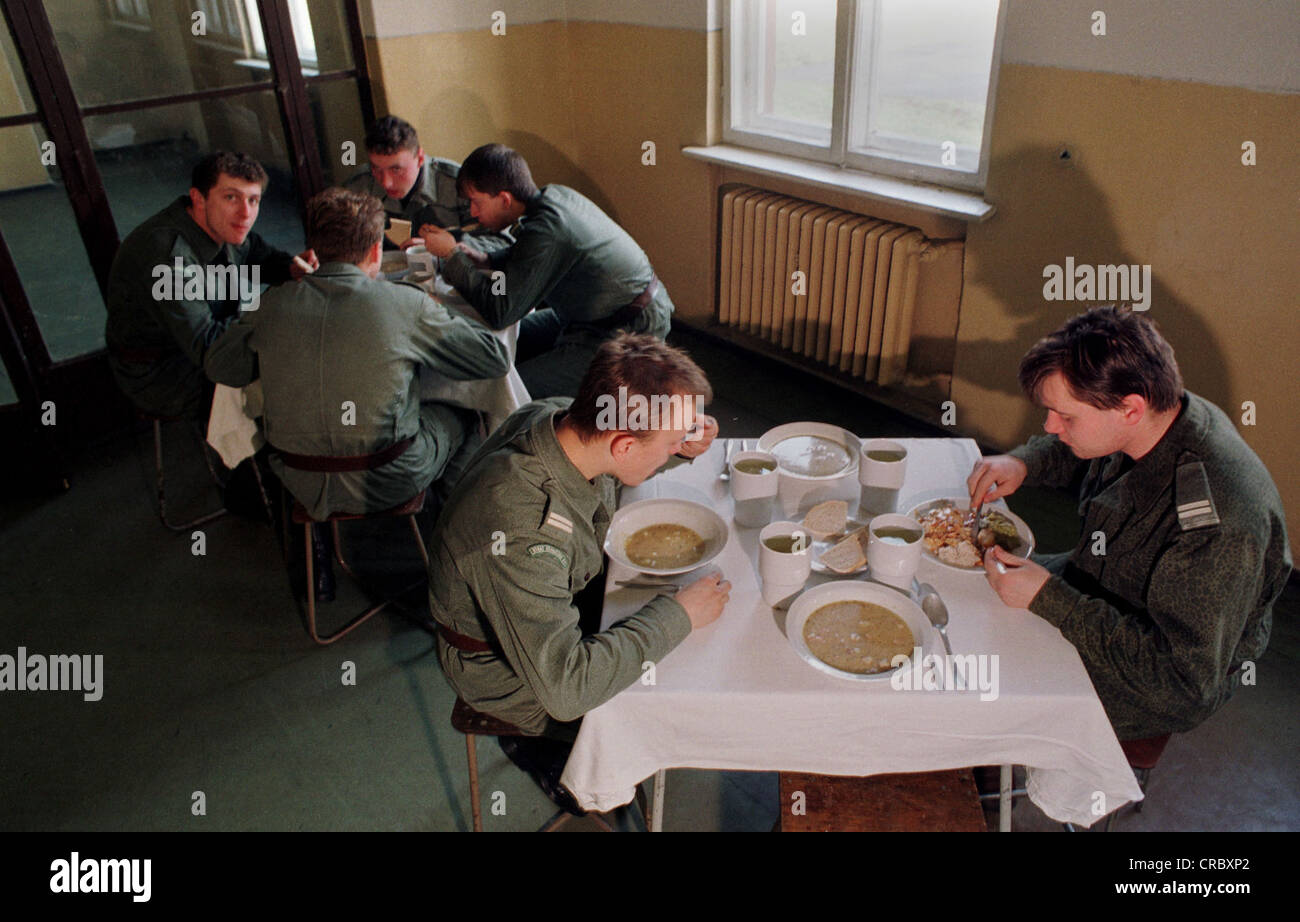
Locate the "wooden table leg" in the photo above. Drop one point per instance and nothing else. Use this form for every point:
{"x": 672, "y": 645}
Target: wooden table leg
{"x": 657, "y": 810}
{"x": 1004, "y": 800}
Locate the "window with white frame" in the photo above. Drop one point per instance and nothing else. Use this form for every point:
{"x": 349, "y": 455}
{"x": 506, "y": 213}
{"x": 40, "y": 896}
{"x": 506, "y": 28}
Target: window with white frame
{"x": 899, "y": 87}
{"x": 238, "y": 24}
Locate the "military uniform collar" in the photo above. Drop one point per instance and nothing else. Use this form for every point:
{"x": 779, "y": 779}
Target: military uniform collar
{"x": 582, "y": 494}
{"x": 1153, "y": 473}
{"x": 420, "y": 189}
{"x": 339, "y": 269}
{"x": 204, "y": 247}
{"x": 534, "y": 204}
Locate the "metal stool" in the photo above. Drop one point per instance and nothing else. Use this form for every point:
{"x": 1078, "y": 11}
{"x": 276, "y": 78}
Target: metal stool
{"x": 1142, "y": 756}
{"x": 409, "y": 509}
{"x": 158, "y": 466}
{"x": 472, "y": 723}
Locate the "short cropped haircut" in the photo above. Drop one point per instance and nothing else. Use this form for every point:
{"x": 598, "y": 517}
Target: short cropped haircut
{"x": 647, "y": 367}
{"x": 241, "y": 166}
{"x": 1105, "y": 355}
{"x": 390, "y": 134}
{"x": 493, "y": 168}
{"x": 342, "y": 226}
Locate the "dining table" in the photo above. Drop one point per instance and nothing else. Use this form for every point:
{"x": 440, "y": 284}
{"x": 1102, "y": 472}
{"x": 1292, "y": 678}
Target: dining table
{"x": 735, "y": 695}
{"x": 232, "y": 422}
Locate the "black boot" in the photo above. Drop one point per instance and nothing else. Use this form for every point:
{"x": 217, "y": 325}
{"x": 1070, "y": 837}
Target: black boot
{"x": 322, "y": 563}
{"x": 543, "y": 760}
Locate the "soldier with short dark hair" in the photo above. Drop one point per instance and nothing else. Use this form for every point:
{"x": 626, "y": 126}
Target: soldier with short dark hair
{"x": 411, "y": 185}
{"x": 572, "y": 277}
{"x": 1183, "y": 552}
{"x": 523, "y": 536}
{"x": 157, "y": 335}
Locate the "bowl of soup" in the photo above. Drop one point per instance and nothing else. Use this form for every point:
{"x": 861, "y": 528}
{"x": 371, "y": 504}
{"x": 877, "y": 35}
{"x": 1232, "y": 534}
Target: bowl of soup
{"x": 665, "y": 536}
{"x": 855, "y": 630}
{"x": 816, "y": 462}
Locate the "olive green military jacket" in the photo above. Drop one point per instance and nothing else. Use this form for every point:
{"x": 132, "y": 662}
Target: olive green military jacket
{"x": 1171, "y": 587}
{"x": 432, "y": 200}
{"x": 568, "y": 254}
{"x": 338, "y": 355}
{"x": 523, "y": 534}
{"x": 156, "y": 345}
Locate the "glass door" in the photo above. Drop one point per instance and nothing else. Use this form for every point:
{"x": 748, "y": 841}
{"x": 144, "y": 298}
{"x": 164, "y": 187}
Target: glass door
{"x": 104, "y": 109}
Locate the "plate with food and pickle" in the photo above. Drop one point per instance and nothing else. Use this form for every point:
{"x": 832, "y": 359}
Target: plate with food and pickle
{"x": 952, "y": 541}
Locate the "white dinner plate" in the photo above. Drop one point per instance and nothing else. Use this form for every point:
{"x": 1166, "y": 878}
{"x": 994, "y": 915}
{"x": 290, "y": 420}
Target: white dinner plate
{"x": 1024, "y": 549}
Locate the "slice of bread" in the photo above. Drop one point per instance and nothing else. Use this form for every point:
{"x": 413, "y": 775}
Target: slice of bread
{"x": 825, "y": 520}
{"x": 849, "y": 555}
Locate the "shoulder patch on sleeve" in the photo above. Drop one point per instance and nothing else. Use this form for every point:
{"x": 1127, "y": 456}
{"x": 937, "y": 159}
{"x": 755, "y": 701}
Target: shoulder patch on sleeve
{"x": 549, "y": 550}
{"x": 554, "y": 520}
{"x": 1192, "y": 497}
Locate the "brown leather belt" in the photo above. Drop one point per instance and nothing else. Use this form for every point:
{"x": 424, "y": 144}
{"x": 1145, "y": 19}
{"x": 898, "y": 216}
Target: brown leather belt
{"x": 625, "y": 315}
{"x": 324, "y": 464}
{"x": 463, "y": 642}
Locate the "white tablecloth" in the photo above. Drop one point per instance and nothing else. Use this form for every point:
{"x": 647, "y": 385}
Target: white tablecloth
{"x": 735, "y": 695}
{"x": 496, "y": 397}
{"x": 235, "y": 436}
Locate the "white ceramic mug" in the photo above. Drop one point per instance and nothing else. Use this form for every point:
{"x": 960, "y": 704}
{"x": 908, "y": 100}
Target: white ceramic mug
{"x": 881, "y": 479}
{"x": 782, "y": 573}
{"x": 753, "y": 493}
{"x": 894, "y": 560}
{"x": 420, "y": 259}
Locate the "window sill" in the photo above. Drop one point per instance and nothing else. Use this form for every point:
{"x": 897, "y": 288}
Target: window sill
{"x": 950, "y": 203}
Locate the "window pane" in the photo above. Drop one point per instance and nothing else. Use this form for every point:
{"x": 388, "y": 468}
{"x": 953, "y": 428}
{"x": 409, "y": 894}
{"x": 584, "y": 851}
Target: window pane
{"x": 336, "y": 112}
{"x": 144, "y": 176}
{"x": 783, "y": 67}
{"x": 156, "y": 38}
{"x": 921, "y": 79}
{"x": 15, "y": 97}
{"x": 41, "y": 231}
{"x": 320, "y": 30}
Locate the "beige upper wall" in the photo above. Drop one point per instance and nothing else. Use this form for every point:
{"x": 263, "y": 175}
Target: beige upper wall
{"x": 391, "y": 18}
{"x": 1253, "y": 44}
{"x": 480, "y": 96}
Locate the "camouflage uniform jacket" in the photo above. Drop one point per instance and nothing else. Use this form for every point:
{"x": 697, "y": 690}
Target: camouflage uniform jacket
{"x": 1195, "y": 554}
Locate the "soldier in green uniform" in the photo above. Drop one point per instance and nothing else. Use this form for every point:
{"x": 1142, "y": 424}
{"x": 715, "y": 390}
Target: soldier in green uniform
{"x": 572, "y": 276}
{"x": 1183, "y": 552}
{"x": 523, "y": 535}
{"x": 412, "y": 186}
{"x": 157, "y": 334}
{"x": 338, "y": 356}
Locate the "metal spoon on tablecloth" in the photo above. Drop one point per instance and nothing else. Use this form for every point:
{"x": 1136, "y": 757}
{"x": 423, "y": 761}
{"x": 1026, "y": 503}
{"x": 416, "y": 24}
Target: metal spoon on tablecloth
{"x": 933, "y": 605}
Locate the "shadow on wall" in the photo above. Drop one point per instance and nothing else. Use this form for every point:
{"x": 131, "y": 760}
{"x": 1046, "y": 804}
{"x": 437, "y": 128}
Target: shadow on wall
{"x": 1050, "y": 210}
{"x": 548, "y": 163}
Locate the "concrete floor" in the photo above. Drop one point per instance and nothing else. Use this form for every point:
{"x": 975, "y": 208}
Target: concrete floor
{"x": 211, "y": 684}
